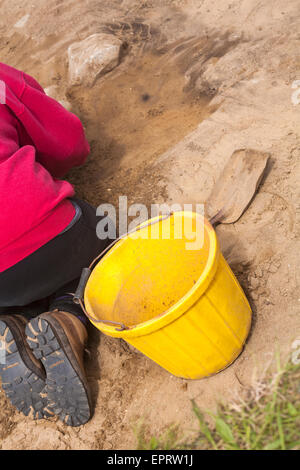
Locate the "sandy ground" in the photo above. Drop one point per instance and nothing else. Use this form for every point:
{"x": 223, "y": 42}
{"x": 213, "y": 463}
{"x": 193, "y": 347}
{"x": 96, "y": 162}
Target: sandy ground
{"x": 218, "y": 76}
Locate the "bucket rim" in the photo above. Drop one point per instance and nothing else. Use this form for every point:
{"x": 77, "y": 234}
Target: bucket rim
{"x": 183, "y": 304}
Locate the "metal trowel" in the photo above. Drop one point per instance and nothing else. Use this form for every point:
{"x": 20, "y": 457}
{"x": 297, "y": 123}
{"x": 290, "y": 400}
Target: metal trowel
{"x": 236, "y": 186}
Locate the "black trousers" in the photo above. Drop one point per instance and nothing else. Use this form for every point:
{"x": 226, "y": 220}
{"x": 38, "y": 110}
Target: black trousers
{"x": 53, "y": 269}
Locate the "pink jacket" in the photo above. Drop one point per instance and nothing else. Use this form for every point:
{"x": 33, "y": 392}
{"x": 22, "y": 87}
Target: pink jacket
{"x": 39, "y": 142}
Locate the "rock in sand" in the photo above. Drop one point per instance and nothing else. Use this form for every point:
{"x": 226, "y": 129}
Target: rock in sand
{"x": 93, "y": 57}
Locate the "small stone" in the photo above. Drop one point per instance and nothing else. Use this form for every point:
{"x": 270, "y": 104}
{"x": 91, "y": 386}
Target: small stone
{"x": 55, "y": 92}
{"x": 254, "y": 282}
{"x": 93, "y": 57}
{"x": 254, "y": 295}
{"x": 22, "y": 22}
{"x": 66, "y": 104}
{"x": 52, "y": 91}
{"x": 261, "y": 290}
{"x": 258, "y": 272}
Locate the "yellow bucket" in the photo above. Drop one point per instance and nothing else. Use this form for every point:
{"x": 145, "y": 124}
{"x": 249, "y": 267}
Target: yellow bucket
{"x": 178, "y": 298}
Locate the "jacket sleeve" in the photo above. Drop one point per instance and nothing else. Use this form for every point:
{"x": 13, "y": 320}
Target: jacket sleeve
{"x": 9, "y": 139}
{"x": 28, "y": 192}
{"x": 56, "y": 133}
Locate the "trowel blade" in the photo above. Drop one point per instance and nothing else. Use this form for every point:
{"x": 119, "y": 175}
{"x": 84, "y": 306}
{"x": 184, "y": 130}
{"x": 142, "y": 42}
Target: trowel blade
{"x": 236, "y": 186}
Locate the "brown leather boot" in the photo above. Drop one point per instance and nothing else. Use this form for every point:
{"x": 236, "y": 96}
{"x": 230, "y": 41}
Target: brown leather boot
{"x": 22, "y": 375}
{"x": 58, "y": 338}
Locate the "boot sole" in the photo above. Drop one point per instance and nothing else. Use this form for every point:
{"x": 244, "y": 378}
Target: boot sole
{"x": 24, "y": 389}
{"x": 67, "y": 390}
